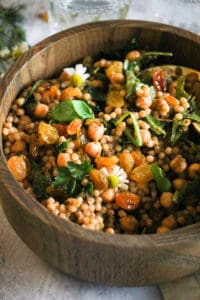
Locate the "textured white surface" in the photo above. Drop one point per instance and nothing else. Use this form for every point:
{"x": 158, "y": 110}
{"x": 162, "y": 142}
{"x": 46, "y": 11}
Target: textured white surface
{"x": 23, "y": 275}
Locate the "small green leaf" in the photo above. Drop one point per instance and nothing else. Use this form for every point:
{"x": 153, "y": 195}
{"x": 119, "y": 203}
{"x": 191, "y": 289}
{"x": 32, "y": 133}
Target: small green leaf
{"x": 162, "y": 182}
{"x": 67, "y": 111}
{"x": 82, "y": 109}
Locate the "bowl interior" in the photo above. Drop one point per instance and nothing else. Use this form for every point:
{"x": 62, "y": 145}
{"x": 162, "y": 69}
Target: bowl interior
{"x": 63, "y": 49}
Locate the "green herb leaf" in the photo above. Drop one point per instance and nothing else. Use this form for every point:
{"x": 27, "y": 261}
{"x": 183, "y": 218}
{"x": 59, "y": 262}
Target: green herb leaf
{"x": 177, "y": 130}
{"x": 79, "y": 171}
{"x": 11, "y": 33}
{"x": 155, "y": 125}
{"x": 152, "y": 92}
{"x": 98, "y": 94}
{"x": 132, "y": 83}
{"x": 162, "y": 182}
{"x": 89, "y": 189}
{"x": 69, "y": 178}
{"x": 180, "y": 91}
{"x": 62, "y": 146}
{"x": 63, "y": 179}
{"x": 66, "y": 111}
{"x": 193, "y": 117}
{"x": 39, "y": 182}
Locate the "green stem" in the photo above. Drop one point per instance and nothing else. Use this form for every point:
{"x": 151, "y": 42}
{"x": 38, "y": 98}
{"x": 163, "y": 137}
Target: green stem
{"x": 137, "y": 139}
{"x": 155, "y": 127}
{"x": 155, "y": 53}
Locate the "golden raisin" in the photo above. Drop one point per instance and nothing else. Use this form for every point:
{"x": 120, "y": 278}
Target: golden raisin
{"x": 127, "y": 201}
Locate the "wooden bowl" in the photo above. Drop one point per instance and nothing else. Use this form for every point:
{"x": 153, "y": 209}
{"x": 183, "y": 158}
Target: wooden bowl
{"x": 123, "y": 260}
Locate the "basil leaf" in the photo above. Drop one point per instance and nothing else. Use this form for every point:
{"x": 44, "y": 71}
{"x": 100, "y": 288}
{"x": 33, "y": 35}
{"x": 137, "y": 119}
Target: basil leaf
{"x": 69, "y": 110}
{"x": 82, "y": 109}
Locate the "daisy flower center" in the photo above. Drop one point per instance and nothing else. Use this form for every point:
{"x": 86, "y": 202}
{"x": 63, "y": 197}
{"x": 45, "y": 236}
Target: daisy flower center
{"x": 113, "y": 181}
{"x": 77, "y": 80}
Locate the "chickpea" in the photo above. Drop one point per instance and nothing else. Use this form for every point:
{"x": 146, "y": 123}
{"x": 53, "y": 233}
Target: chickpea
{"x": 96, "y": 131}
{"x": 162, "y": 229}
{"x": 178, "y": 164}
{"x": 93, "y": 149}
{"x": 169, "y": 222}
{"x": 178, "y": 183}
{"x": 24, "y": 120}
{"x": 144, "y": 91}
{"x": 108, "y": 195}
{"x": 62, "y": 159}
{"x": 18, "y": 146}
{"x": 194, "y": 170}
{"x": 117, "y": 78}
{"x": 41, "y": 110}
{"x": 133, "y": 55}
{"x": 128, "y": 223}
{"x": 166, "y": 199}
{"x": 143, "y": 102}
{"x": 146, "y": 136}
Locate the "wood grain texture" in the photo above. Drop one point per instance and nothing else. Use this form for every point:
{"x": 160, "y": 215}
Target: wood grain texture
{"x": 121, "y": 260}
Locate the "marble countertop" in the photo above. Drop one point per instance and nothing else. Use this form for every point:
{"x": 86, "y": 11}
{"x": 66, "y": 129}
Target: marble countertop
{"x": 23, "y": 275}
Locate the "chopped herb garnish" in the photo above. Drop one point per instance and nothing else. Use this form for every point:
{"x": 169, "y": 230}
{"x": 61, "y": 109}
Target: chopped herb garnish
{"x": 40, "y": 182}
{"x": 69, "y": 178}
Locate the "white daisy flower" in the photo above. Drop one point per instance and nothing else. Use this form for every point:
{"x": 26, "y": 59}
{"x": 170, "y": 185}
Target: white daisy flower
{"x": 117, "y": 177}
{"x": 19, "y": 49}
{"x": 4, "y": 53}
{"x": 78, "y": 75}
